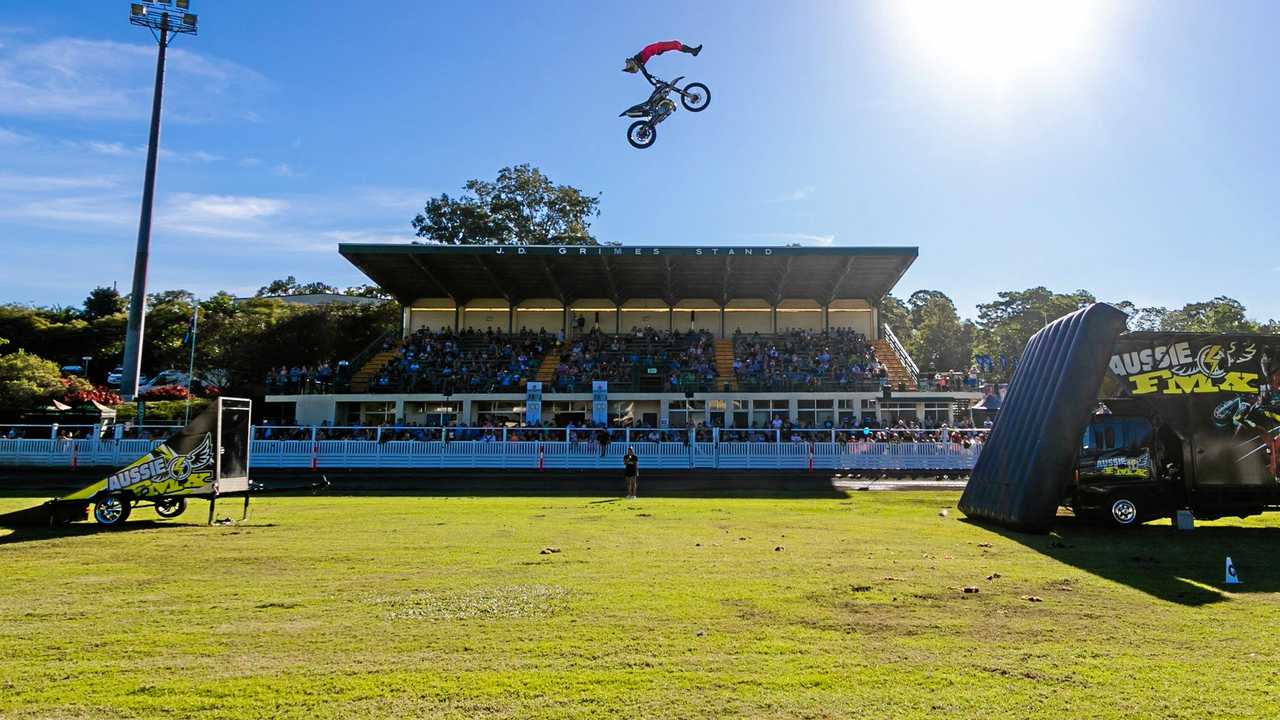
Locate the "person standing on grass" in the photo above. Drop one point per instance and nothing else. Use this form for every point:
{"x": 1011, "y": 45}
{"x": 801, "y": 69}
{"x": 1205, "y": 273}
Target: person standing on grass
{"x": 631, "y": 463}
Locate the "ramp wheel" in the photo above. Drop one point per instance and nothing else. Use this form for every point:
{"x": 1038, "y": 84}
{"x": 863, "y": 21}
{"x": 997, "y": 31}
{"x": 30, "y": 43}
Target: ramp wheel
{"x": 1123, "y": 512}
{"x": 111, "y": 510}
{"x": 171, "y": 507}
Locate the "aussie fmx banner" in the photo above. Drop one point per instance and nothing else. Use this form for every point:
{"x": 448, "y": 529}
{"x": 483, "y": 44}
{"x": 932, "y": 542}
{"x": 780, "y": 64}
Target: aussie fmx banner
{"x": 1220, "y": 392}
{"x": 600, "y": 403}
{"x": 185, "y": 464}
{"x": 533, "y": 403}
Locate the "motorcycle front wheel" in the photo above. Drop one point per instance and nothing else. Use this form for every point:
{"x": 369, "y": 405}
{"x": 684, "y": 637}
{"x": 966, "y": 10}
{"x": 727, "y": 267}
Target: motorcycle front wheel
{"x": 695, "y": 97}
{"x": 641, "y": 134}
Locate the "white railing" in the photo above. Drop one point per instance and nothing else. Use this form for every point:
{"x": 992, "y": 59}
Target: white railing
{"x": 900, "y": 351}
{"x": 819, "y": 454}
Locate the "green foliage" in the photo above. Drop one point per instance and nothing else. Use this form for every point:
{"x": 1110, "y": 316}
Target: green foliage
{"x": 27, "y": 382}
{"x": 244, "y": 338}
{"x": 1221, "y": 314}
{"x": 1005, "y": 325}
{"x": 940, "y": 340}
{"x": 160, "y": 411}
{"x": 103, "y": 302}
{"x": 896, "y": 314}
{"x": 291, "y": 286}
{"x": 522, "y": 207}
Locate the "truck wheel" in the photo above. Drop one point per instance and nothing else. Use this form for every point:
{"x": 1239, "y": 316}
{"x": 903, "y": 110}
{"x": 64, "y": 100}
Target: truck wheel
{"x": 171, "y": 507}
{"x": 111, "y": 510}
{"x": 1123, "y": 512}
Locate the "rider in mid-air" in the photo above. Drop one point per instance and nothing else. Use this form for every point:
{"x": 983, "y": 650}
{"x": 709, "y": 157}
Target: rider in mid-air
{"x": 636, "y": 63}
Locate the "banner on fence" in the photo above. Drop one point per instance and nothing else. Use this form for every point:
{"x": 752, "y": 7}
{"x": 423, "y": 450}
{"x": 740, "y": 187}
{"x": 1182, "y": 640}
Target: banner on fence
{"x": 600, "y": 403}
{"x": 533, "y": 403}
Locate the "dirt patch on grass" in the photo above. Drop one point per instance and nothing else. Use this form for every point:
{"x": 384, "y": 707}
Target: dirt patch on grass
{"x": 508, "y": 601}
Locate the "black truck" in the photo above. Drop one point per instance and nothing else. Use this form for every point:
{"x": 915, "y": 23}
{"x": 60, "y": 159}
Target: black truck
{"x": 1184, "y": 421}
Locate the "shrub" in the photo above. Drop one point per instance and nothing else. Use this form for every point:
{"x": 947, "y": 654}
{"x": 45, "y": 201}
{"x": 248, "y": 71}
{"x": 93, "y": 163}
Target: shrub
{"x": 166, "y": 392}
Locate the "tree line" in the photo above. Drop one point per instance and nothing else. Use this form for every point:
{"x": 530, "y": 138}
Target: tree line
{"x": 239, "y": 340}
{"x": 938, "y": 339}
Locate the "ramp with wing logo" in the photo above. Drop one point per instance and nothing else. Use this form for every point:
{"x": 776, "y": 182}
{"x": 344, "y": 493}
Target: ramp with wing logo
{"x": 1026, "y": 465}
{"x": 206, "y": 459}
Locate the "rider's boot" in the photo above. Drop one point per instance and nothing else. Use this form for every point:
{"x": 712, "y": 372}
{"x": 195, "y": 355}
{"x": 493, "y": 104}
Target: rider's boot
{"x": 691, "y": 50}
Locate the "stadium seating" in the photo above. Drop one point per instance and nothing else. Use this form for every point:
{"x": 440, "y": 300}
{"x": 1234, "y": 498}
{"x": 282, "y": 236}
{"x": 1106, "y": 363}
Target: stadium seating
{"x": 803, "y": 360}
{"x": 641, "y": 360}
{"x": 466, "y": 362}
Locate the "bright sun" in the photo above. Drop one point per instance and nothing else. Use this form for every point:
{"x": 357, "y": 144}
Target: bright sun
{"x": 997, "y": 46}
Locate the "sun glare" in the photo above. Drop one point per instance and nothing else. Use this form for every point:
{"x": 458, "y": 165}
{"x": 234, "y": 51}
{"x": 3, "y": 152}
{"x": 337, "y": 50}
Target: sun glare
{"x": 998, "y": 46}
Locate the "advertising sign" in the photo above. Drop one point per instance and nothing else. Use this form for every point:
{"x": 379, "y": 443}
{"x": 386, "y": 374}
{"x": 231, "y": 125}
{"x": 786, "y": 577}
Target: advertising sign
{"x": 1219, "y": 390}
{"x": 600, "y": 403}
{"x": 533, "y": 403}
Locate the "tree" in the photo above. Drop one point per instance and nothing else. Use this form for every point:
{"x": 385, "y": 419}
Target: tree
{"x": 27, "y": 381}
{"x": 1005, "y": 325}
{"x": 1221, "y": 314}
{"x": 896, "y": 314}
{"x": 102, "y": 302}
{"x": 939, "y": 339}
{"x": 368, "y": 291}
{"x": 291, "y": 286}
{"x": 521, "y": 207}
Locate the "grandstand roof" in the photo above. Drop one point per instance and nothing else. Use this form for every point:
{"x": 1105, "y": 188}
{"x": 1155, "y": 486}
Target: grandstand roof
{"x": 516, "y": 273}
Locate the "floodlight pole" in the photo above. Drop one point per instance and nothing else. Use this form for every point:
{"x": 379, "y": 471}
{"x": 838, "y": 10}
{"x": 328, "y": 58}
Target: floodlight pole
{"x": 138, "y": 297}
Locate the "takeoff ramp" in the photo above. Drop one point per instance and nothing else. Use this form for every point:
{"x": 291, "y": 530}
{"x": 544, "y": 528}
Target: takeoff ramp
{"x": 1026, "y": 465}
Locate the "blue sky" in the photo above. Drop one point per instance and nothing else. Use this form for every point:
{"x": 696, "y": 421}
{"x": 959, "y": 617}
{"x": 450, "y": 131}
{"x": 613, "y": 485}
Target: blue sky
{"x": 1128, "y": 148}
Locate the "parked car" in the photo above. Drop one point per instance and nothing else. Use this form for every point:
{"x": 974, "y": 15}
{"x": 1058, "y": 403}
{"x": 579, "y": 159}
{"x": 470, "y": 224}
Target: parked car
{"x": 115, "y": 376}
{"x": 166, "y": 377}
{"x": 72, "y": 370}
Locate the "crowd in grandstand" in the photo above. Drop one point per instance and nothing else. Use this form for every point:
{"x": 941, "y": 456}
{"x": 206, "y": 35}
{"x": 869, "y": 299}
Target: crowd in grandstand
{"x": 800, "y": 359}
{"x": 300, "y": 379}
{"x": 470, "y": 361}
{"x": 679, "y": 360}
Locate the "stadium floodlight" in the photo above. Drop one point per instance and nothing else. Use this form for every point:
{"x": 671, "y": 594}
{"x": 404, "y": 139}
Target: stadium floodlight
{"x": 155, "y": 16}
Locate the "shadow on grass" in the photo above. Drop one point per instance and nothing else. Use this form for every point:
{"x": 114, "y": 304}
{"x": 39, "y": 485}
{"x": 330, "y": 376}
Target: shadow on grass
{"x": 61, "y": 532}
{"x": 1187, "y": 568}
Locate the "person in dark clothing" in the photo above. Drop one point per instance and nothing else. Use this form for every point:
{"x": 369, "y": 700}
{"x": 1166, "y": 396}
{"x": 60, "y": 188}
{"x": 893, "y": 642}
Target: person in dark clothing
{"x": 602, "y": 440}
{"x": 632, "y": 464}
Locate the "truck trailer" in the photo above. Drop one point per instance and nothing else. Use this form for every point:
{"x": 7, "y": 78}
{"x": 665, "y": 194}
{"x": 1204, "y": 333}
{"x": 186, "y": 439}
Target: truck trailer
{"x": 1184, "y": 421}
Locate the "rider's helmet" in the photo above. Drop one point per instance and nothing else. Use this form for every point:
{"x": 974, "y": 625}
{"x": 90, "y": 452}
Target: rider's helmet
{"x": 631, "y": 65}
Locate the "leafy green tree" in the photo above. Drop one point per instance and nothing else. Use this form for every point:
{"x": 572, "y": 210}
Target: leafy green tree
{"x": 521, "y": 207}
{"x": 102, "y": 302}
{"x": 1005, "y": 325}
{"x": 27, "y": 381}
{"x": 287, "y": 286}
{"x": 896, "y": 314}
{"x": 291, "y": 286}
{"x": 940, "y": 340}
{"x": 1221, "y": 314}
{"x": 368, "y": 291}
{"x": 317, "y": 288}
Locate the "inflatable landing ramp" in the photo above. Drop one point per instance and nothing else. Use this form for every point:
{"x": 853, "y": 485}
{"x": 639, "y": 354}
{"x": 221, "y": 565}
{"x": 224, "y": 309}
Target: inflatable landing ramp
{"x": 1028, "y": 460}
{"x": 207, "y": 459}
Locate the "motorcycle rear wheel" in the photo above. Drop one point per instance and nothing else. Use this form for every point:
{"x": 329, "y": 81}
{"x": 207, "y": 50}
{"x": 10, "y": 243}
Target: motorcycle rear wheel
{"x": 701, "y": 95}
{"x": 641, "y": 134}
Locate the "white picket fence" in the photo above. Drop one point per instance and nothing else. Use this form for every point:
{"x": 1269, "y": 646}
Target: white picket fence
{"x": 526, "y": 455}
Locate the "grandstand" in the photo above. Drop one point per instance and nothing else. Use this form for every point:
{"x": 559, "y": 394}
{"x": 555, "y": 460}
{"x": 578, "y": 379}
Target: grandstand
{"x": 683, "y": 336}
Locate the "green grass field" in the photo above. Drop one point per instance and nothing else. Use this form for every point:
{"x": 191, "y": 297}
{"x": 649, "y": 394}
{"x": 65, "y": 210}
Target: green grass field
{"x": 405, "y": 607}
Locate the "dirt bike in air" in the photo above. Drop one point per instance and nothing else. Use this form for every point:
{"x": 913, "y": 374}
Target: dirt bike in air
{"x": 694, "y": 96}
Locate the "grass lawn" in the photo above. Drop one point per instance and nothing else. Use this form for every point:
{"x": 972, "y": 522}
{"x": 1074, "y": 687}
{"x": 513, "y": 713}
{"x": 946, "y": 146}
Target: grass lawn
{"x": 404, "y": 607}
